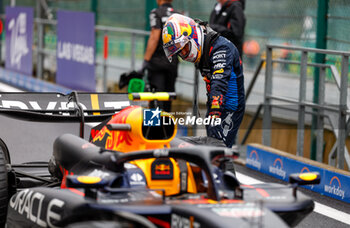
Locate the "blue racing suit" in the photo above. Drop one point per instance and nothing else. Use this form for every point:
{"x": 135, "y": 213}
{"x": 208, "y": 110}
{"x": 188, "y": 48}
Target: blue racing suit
{"x": 225, "y": 89}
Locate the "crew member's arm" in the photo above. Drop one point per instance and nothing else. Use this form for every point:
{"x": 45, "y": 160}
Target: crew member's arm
{"x": 156, "y": 30}
{"x": 152, "y": 43}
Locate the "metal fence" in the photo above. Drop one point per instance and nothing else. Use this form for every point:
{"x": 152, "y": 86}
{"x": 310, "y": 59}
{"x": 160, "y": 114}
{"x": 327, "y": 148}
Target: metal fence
{"x": 268, "y": 21}
{"x": 322, "y": 110}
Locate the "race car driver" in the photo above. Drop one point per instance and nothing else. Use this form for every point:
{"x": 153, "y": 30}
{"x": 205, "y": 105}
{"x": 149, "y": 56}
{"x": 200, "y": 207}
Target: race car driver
{"x": 220, "y": 65}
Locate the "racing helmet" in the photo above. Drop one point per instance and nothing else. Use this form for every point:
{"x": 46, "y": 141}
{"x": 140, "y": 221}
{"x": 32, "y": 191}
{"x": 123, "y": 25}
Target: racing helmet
{"x": 181, "y": 32}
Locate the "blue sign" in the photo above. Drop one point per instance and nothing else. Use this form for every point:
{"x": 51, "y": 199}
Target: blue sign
{"x": 333, "y": 184}
{"x": 19, "y": 32}
{"x": 76, "y": 50}
{"x": 151, "y": 117}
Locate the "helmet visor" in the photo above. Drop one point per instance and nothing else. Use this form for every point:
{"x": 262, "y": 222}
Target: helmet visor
{"x": 175, "y": 46}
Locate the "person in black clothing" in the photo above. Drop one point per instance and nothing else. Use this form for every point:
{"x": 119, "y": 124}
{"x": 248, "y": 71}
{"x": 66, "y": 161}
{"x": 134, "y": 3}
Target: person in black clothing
{"x": 228, "y": 19}
{"x": 161, "y": 73}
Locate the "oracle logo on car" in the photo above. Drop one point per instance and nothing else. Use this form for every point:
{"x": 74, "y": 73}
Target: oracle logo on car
{"x": 277, "y": 168}
{"x": 334, "y": 187}
{"x": 30, "y": 204}
{"x": 253, "y": 159}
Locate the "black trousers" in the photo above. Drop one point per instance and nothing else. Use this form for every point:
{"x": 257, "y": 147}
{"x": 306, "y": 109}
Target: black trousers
{"x": 162, "y": 81}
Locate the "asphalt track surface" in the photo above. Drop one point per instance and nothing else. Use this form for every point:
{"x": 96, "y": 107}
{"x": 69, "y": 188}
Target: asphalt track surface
{"x": 32, "y": 141}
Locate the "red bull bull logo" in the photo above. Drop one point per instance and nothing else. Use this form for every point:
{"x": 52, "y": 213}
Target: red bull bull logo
{"x": 162, "y": 169}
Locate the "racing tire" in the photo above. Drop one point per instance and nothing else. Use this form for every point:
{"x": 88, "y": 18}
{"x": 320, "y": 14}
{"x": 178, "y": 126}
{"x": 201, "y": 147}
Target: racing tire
{"x": 5, "y": 150}
{"x": 4, "y": 194}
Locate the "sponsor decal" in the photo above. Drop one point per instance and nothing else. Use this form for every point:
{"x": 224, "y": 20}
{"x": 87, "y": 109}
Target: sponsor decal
{"x": 30, "y": 204}
{"x": 215, "y": 114}
{"x": 184, "y": 144}
{"x": 137, "y": 179}
{"x": 217, "y": 76}
{"x": 239, "y": 212}
{"x": 161, "y": 153}
{"x": 227, "y": 124}
{"x": 304, "y": 169}
{"x": 220, "y": 65}
{"x": 151, "y": 117}
{"x": 277, "y": 168}
{"x": 19, "y": 29}
{"x": 219, "y": 60}
{"x": 334, "y": 187}
{"x": 219, "y": 71}
{"x": 178, "y": 221}
{"x": 253, "y": 159}
{"x": 99, "y": 173}
{"x": 129, "y": 166}
{"x": 219, "y": 56}
{"x": 162, "y": 169}
{"x": 114, "y": 201}
{"x": 19, "y": 45}
{"x": 75, "y": 52}
{"x": 215, "y": 104}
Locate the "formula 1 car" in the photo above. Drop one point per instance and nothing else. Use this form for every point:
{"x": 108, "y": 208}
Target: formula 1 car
{"x": 130, "y": 174}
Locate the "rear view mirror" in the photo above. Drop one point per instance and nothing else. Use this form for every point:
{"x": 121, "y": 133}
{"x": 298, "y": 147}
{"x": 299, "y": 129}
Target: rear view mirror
{"x": 305, "y": 178}
{"x": 89, "y": 183}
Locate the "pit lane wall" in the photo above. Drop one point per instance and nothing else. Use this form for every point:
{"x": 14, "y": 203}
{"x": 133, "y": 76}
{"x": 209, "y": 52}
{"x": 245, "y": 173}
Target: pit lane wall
{"x": 335, "y": 183}
{"x": 28, "y": 83}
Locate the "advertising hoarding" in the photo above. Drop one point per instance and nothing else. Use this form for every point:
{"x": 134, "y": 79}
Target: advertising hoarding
{"x": 19, "y": 33}
{"x": 76, "y": 50}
